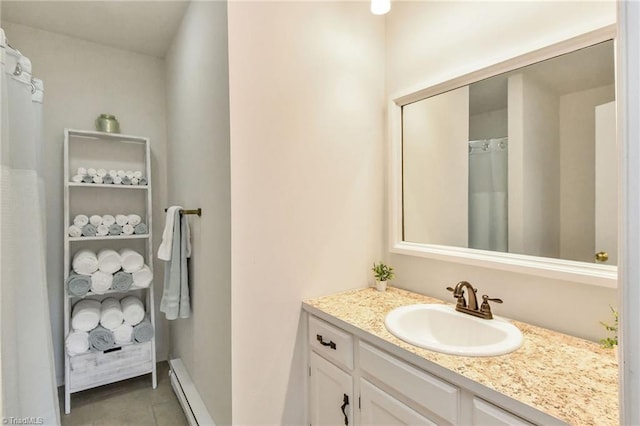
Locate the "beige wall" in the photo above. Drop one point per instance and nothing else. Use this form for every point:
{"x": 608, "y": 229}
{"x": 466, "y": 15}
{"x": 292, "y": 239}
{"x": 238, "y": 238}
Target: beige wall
{"x": 82, "y": 80}
{"x": 307, "y": 120}
{"x": 198, "y": 176}
{"x": 429, "y": 42}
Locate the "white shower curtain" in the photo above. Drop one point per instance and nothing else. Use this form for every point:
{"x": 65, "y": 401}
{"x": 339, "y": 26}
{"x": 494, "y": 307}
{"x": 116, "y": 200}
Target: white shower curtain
{"x": 28, "y": 378}
{"x": 488, "y": 210}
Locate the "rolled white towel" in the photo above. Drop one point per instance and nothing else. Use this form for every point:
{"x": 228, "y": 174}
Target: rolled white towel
{"x": 121, "y": 173}
{"x": 85, "y": 262}
{"x": 132, "y": 261}
{"x": 117, "y": 180}
{"x": 108, "y": 220}
{"x": 80, "y": 220}
{"x": 101, "y": 282}
{"x": 92, "y": 172}
{"x": 129, "y": 174}
{"x": 95, "y": 220}
{"x": 81, "y": 171}
{"x": 134, "y": 181}
{"x": 97, "y": 179}
{"x": 101, "y": 172}
{"x": 109, "y": 260}
{"x": 77, "y": 343}
{"x": 137, "y": 174}
{"x": 123, "y": 333}
{"x": 85, "y": 315}
{"x": 133, "y": 310}
{"x": 142, "y": 278}
{"x": 75, "y": 231}
{"x": 127, "y": 229}
{"x": 134, "y": 219}
{"x": 111, "y": 315}
{"x": 77, "y": 178}
{"x": 113, "y": 173}
{"x": 121, "y": 219}
{"x": 102, "y": 230}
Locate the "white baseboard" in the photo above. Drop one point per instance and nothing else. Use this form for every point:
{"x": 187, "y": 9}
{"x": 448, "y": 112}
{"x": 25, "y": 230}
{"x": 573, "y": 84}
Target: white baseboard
{"x": 184, "y": 388}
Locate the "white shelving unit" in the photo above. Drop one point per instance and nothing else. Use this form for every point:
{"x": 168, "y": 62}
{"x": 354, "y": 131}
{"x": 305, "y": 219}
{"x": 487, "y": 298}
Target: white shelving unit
{"x": 119, "y": 152}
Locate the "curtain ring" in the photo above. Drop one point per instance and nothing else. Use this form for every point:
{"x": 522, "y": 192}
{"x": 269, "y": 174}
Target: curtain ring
{"x": 18, "y": 69}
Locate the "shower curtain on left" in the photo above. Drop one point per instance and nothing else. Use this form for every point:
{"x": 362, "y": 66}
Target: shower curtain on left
{"x": 28, "y": 379}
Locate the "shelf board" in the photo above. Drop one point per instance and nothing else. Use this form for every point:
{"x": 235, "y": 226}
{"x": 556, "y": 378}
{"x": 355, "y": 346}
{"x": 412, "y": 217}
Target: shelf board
{"x": 90, "y": 293}
{"x": 111, "y": 237}
{"x": 90, "y": 134}
{"x": 105, "y": 185}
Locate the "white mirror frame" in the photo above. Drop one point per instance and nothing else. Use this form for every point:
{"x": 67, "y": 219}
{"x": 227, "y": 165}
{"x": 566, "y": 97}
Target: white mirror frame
{"x": 568, "y": 270}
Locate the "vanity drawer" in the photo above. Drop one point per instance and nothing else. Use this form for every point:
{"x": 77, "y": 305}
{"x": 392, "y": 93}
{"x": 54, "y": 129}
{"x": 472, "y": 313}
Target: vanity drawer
{"x": 425, "y": 390}
{"x": 486, "y": 414}
{"x": 331, "y": 342}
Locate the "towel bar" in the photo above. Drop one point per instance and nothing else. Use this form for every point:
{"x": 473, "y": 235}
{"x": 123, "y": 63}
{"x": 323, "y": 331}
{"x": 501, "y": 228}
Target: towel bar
{"x": 197, "y": 211}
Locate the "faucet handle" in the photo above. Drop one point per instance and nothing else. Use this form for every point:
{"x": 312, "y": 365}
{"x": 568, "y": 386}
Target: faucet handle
{"x": 486, "y": 308}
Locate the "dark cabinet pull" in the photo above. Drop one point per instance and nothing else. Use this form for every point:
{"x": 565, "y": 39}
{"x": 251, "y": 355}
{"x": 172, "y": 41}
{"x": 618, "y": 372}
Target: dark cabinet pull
{"x": 323, "y": 343}
{"x": 345, "y": 401}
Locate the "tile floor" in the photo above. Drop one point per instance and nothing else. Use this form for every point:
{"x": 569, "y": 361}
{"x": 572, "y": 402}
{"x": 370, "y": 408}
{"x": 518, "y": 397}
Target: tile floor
{"x": 130, "y": 402}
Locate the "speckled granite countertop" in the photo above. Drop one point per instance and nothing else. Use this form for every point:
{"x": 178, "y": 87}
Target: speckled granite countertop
{"x": 566, "y": 377}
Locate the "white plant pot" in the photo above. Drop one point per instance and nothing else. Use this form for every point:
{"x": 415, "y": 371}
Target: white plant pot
{"x": 381, "y": 285}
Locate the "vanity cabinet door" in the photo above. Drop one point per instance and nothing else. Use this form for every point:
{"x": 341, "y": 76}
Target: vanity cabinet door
{"x": 331, "y": 393}
{"x": 378, "y": 408}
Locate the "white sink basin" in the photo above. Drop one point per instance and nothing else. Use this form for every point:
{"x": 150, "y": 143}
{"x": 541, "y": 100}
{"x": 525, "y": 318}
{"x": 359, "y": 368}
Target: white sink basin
{"x": 441, "y": 328}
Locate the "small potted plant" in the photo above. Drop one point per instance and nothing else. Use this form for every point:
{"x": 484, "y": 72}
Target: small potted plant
{"x": 382, "y": 273}
{"x": 611, "y": 342}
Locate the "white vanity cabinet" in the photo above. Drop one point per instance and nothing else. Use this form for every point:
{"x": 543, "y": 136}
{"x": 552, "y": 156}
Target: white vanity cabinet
{"x": 353, "y": 382}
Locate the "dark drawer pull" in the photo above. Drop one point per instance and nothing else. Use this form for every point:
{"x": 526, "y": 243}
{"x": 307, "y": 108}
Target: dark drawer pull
{"x": 345, "y": 402}
{"x": 331, "y": 344}
{"x": 119, "y": 348}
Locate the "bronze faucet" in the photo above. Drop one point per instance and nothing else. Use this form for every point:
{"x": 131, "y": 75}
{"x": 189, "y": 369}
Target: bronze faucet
{"x": 471, "y": 308}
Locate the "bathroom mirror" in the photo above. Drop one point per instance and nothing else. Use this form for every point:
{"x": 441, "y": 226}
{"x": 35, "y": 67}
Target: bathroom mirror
{"x": 515, "y": 164}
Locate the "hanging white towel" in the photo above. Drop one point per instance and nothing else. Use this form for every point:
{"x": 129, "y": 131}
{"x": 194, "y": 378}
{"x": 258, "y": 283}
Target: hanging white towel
{"x": 111, "y": 315}
{"x": 164, "y": 251}
{"x": 85, "y": 315}
{"x": 175, "y": 301}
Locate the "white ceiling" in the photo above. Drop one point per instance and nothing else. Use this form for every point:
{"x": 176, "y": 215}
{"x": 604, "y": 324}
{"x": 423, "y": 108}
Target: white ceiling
{"x": 146, "y": 27}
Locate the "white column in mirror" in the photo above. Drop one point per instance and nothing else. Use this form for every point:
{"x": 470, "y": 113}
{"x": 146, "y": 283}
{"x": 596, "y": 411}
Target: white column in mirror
{"x": 606, "y": 182}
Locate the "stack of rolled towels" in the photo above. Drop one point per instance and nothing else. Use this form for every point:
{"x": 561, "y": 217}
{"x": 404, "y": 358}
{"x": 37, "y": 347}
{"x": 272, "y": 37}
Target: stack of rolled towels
{"x": 108, "y": 177}
{"x": 107, "y": 270}
{"x": 107, "y": 225}
{"x": 98, "y": 326}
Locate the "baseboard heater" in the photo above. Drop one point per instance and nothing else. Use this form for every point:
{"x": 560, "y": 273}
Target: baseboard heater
{"x": 192, "y": 405}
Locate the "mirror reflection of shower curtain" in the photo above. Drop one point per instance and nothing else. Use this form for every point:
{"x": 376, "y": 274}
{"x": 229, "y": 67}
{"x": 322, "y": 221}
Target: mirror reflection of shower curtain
{"x": 488, "y": 221}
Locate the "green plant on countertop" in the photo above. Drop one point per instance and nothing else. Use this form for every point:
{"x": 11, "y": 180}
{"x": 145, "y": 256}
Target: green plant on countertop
{"x": 382, "y": 272}
{"x": 610, "y": 342}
